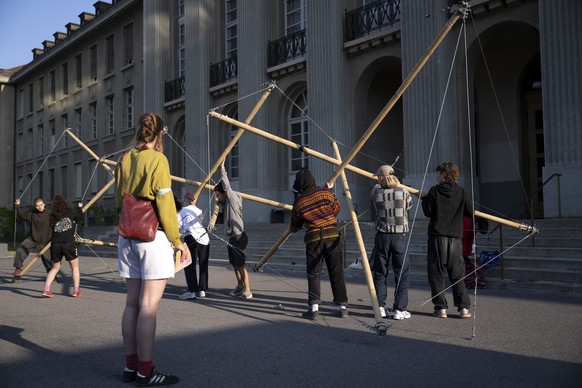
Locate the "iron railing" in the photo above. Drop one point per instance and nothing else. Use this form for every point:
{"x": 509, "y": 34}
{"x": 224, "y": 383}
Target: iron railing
{"x": 223, "y": 71}
{"x": 287, "y": 48}
{"x": 371, "y": 17}
{"x": 175, "y": 89}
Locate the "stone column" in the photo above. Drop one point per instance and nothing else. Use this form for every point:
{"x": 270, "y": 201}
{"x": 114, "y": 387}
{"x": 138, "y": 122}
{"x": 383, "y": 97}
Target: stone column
{"x": 561, "y": 56}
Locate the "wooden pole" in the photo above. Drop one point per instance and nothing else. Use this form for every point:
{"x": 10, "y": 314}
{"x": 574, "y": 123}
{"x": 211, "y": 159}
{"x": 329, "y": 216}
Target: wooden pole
{"x": 34, "y": 259}
{"x": 369, "y": 175}
{"x": 272, "y": 251}
{"x": 397, "y": 95}
{"x": 234, "y": 140}
{"x": 380, "y": 325}
{"x": 106, "y": 163}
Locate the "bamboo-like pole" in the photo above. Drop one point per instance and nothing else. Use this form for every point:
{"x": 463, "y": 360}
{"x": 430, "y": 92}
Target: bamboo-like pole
{"x": 34, "y": 259}
{"x": 89, "y": 150}
{"x": 95, "y": 242}
{"x": 289, "y": 143}
{"x": 234, "y": 140}
{"x": 369, "y": 175}
{"x": 381, "y": 326}
{"x": 272, "y": 251}
{"x": 106, "y": 163}
{"x": 397, "y": 95}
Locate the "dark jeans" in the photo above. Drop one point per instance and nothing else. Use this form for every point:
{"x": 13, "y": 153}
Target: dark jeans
{"x": 202, "y": 253}
{"x": 389, "y": 246}
{"x": 28, "y": 246}
{"x": 446, "y": 254}
{"x": 330, "y": 251}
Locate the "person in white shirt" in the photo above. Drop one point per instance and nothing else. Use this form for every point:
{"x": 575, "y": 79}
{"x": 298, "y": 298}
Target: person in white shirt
{"x": 195, "y": 236}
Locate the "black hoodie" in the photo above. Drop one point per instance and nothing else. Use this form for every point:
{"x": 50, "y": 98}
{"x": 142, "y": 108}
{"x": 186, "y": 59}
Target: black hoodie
{"x": 445, "y": 204}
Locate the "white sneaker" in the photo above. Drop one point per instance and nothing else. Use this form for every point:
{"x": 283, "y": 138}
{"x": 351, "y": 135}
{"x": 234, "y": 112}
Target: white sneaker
{"x": 399, "y": 315}
{"x": 382, "y": 312}
{"x": 187, "y": 295}
{"x": 202, "y": 294}
{"x": 357, "y": 264}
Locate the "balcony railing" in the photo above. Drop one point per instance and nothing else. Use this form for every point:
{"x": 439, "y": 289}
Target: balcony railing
{"x": 223, "y": 71}
{"x": 287, "y": 48}
{"x": 372, "y": 17}
{"x": 175, "y": 89}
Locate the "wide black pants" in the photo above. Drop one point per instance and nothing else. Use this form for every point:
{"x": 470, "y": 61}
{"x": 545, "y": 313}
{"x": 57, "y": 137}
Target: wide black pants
{"x": 330, "y": 251}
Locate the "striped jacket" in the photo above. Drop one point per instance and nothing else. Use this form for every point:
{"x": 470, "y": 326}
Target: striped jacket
{"x": 317, "y": 211}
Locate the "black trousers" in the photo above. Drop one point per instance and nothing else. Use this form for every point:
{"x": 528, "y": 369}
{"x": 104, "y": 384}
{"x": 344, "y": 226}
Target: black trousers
{"x": 202, "y": 253}
{"x": 446, "y": 254}
{"x": 330, "y": 251}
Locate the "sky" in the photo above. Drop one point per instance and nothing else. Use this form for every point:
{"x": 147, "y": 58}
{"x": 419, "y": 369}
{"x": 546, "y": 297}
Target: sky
{"x": 25, "y": 24}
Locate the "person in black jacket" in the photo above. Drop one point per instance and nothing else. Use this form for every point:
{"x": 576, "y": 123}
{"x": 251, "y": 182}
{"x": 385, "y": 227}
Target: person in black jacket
{"x": 445, "y": 204}
{"x": 39, "y": 236}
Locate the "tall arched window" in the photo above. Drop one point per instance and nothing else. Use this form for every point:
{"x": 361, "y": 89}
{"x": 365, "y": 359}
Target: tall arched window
{"x": 299, "y": 132}
{"x": 233, "y": 158}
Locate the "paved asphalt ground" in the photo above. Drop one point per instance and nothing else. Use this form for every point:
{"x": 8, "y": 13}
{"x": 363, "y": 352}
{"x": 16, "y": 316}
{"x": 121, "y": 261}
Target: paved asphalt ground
{"x": 520, "y": 339}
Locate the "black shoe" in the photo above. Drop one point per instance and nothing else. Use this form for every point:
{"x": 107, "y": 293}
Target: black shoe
{"x": 343, "y": 313}
{"x": 16, "y": 279}
{"x": 156, "y": 378}
{"x": 129, "y": 375}
{"x": 311, "y": 315}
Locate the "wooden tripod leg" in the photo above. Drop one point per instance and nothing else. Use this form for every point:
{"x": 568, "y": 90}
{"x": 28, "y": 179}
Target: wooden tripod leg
{"x": 380, "y": 324}
{"x": 272, "y": 251}
{"x": 34, "y": 259}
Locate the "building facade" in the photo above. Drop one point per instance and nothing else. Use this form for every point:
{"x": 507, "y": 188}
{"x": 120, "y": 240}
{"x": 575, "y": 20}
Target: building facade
{"x": 497, "y": 97}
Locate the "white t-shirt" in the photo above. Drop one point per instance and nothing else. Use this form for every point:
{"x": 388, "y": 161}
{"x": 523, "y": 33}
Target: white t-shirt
{"x": 189, "y": 221}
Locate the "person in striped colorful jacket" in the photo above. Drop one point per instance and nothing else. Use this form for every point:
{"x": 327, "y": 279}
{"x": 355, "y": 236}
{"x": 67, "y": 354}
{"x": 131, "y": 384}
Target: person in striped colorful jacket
{"x": 316, "y": 208}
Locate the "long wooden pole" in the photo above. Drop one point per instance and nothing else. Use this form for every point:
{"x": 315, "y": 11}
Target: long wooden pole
{"x": 106, "y": 163}
{"x": 234, "y": 140}
{"x": 381, "y": 326}
{"x": 369, "y": 175}
{"x": 397, "y": 95}
{"x": 272, "y": 251}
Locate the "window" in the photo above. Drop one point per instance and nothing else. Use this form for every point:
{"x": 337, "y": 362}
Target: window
{"x": 51, "y": 183}
{"x": 93, "y": 109}
{"x": 41, "y": 92}
{"x": 110, "y": 59}
{"x": 110, "y": 115}
{"x": 298, "y": 131}
{"x": 79, "y": 120}
{"x": 53, "y": 85}
{"x": 64, "y": 181}
{"x": 65, "y": 72}
{"x": 231, "y": 26}
{"x": 93, "y": 176}
{"x": 30, "y": 144}
{"x": 30, "y": 97}
{"x": 19, "y": 147}
{"x": 129, "y": 108}
{"x": 52, "y": 130}
{"x": 40, "y": 181}
{"x": 181, "y": 40}
{"x": 40, "y": 136}
{"x": 79, "y": 71}
{"x": 65, "y": 125}
{"x": 295, "y": 16}
{"x": 93, "y": 61}
{"x": 128, "y": 43}
{"x": 20, "y": 103}
{"x": 78, "y": 180}
{"x": 234, "y": 153}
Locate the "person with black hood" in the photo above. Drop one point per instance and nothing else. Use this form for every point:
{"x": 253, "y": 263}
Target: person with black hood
{"x": 317, "y": 208}
{"x": 445, "y": 204}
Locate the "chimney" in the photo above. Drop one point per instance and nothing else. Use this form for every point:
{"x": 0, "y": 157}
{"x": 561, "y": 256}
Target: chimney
{"x": 59, "y": 36}
{"x": 36, "y": 52}
{"x": 48, "y": 44}
{"x": 86, "y": 17}
{"x": 100, "y": 7}
{"x": 71, "y": 28}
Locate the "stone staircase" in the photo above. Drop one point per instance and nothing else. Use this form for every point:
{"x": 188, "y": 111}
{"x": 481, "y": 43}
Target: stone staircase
{"x": 550, "y": 260}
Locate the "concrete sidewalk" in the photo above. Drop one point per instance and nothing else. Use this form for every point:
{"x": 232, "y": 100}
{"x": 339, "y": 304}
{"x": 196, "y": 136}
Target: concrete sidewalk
{"x": 520, "y": 339}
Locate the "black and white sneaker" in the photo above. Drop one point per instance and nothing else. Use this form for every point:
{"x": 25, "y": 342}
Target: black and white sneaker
{"x": 156, "y": 378}
{"x": 129, "y": 375}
